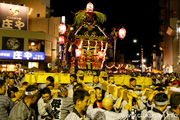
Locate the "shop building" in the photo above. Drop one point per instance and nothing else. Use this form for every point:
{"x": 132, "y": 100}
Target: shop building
{"x": 27, "y": 38}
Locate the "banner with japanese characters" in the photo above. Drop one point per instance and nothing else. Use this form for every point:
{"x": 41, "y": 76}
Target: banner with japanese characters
{"x": 12, "y": 43}
{"x": 13, "y": 16}
{"x": 21, "y": 55}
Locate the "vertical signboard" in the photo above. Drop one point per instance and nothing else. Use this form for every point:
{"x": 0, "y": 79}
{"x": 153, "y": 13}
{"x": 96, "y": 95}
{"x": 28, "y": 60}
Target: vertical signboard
{"x": 13, "y": 16}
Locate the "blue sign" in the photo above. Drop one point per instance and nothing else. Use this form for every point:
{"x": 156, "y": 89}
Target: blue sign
{"x": 21, "y": 55}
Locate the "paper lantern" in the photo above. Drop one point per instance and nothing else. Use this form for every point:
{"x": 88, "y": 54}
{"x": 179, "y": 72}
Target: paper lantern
{"x": 101, "y": 54}
{"x": 122, "y": 33}
{"x": 78, "y": 52}
{"x": 89, "y": 7}
{"x": 61, "y": 39}
{"x": 62, "y": 28}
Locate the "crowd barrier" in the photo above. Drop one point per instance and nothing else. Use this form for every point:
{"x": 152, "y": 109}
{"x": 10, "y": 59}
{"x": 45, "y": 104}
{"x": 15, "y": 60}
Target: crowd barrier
{"x": 64, "y": 78}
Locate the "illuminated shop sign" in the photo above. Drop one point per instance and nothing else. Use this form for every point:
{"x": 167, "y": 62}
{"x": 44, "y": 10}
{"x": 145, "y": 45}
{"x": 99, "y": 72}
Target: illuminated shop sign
{"x": 21, "y": 55}
{"x": 13, "y": 16}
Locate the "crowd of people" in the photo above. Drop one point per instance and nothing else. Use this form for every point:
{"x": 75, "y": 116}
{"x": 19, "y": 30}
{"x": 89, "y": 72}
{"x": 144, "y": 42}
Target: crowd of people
{"x": 20, "y": 100}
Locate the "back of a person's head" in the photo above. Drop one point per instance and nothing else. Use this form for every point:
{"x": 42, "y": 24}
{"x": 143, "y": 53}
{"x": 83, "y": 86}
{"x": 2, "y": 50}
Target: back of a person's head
{"x": 158, "y": 84}
{"x": 153, "y": 79}
{"x": 107, "y": 103}
{"x": 2, "y": 83}
{"x": 95, "y": 76}
{"x": 46, "y": 90}
{"x": 11, "y": 73}
{"x": 97, "y": 88}
{"x": 130, "y": 89}
{"x": 50, "y": 78}
{"x": 110, "y": 76}
{"x": 175, "y": 100}
{"x": 138, "y": 86}
{"x": 153, "y": 74}
{"x": 125, "y": 87}
{"x": 12, "y": 89}
{"x": 78, "y": 86}
{"x": 132, "y": 79}
{"x": 161, "y": 99}
{"x": 25, "y": 83}
{"x": 133, "y": 75}
{"x": 160, "y": 88}
{"x": 63, "y": 87}
{"x": 31, "y": 88}
{"x": 143, "y": 74}
{"x": 6, "y": 77}
{"x": 80, "y": 95}
{"x": 32, "y": 93}
{"x": 73, "y": 75}
{"x": 51, "y": 84}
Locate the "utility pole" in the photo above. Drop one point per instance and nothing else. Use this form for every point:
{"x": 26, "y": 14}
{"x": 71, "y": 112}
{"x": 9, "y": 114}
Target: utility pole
{"x": 62, "y": 31}
{"x": 142, "y": 61}
{"x": 154, "y": 57}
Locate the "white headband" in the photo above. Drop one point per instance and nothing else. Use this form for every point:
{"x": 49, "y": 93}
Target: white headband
{"x": 161, "y": 103}
{"x": 64, "y": 89}
{"x": 138, "y": 92}
{"x": 31, "y": 92}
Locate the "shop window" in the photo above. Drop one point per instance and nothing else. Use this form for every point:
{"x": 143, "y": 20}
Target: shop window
{"x": 37, "y": 46}
{"x": 33, "y": 64}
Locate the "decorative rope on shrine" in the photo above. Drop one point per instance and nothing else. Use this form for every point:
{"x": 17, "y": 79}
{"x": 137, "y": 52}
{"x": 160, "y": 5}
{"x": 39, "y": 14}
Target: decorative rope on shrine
{"x": 112, "y": 67}
{"x": 95, "y": 50}
{"x": 65, "y": 48}
{"x": 104, "y": 55}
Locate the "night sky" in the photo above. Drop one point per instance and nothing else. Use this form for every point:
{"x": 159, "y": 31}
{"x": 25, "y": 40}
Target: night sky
{"x": 139, "y": 17}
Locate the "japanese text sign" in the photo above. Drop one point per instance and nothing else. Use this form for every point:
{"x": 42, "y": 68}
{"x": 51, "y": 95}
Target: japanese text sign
{"x": 13, "y": 16}
{"x": 21, "y": 55}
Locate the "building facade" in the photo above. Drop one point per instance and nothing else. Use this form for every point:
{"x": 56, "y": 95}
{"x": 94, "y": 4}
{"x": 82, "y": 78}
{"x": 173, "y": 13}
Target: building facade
{"x": 169, "y": 40}
{"x": 27, "y": 31}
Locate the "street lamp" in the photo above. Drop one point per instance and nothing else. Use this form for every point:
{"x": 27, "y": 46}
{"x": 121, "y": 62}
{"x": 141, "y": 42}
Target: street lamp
{"x": 134, "y": 41}
{"x": 71, "y": 28}
{"x": 137, "y": 54}
{"x": 121, "y": 33}
{"x": 144, "y": 60}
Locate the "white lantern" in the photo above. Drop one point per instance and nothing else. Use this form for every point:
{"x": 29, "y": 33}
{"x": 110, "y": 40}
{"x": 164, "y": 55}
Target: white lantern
{"x": 89, "y": 7}
{"x": 62, "y": 28}
{"x": 78, "y": 53}
{"x": 122, "y": 33}
{"x": 101, "y": 54}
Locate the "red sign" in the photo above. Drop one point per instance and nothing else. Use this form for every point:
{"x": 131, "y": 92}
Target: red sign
{"x": 61, "y": 39}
